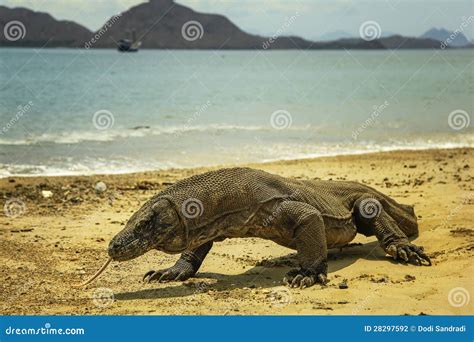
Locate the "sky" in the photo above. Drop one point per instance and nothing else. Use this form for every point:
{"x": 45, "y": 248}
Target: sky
{"x": 314, "y": 18}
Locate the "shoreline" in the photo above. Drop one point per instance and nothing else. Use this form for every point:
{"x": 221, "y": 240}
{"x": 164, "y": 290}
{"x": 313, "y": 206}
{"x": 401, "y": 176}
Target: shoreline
{"x": 54, "y": 241}
{"x": 213, "y": 166}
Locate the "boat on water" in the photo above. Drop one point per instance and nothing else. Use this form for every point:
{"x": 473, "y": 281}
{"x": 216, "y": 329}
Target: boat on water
{"x": 129, "y": 45}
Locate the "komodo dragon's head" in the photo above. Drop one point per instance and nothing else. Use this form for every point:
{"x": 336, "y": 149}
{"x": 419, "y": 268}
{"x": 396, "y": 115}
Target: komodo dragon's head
{"x": 156, "y": 225}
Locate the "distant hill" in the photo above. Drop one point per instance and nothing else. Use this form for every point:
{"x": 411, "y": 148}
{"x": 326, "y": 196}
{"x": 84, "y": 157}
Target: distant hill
{"x": 442, "y": 35}
{"x": 159, "y": 24}
{"x": 401, "y": 42}
{"x": 336, "y": 35}
{"x": 39, "y": 29}
{"x": 164, "y": 24}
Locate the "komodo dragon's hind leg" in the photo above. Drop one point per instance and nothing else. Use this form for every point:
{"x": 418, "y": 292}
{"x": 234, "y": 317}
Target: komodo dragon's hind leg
{"x": 186, "y": 266}
{"x": 310, "y": 241}
{"x": 371, "y": 217}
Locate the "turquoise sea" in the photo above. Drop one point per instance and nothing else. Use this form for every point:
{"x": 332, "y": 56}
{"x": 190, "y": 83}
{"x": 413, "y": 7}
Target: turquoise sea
{"x": 71, "y": 111}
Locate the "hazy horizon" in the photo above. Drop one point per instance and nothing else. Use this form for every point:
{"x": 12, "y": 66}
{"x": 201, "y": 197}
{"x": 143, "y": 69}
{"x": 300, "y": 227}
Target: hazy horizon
{"x": 314, "y": 18}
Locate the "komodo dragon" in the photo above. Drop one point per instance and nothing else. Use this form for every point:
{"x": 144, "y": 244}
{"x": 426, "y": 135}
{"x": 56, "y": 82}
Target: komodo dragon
{"x": 309, "y": 216}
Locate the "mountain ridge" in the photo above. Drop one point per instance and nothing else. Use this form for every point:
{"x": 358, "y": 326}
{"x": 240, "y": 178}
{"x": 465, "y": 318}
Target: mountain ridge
{"x": 448, "y": 38}
{"x": 42, "y": 29}
{"x": 164, "y": 24}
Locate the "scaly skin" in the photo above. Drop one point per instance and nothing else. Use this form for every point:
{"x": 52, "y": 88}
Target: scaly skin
{"x": 308, "y": 216}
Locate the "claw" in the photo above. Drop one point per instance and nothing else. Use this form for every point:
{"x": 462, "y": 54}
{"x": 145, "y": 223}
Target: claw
{"x": 409, "y": 253}
{"x": 392, "y": 250}
{"x": 301, "y": 278}
{"x": 296, "y": 281}
{"x": 415, "y": 258}
{"x": 322, "y": 278}
{"x": 306, "y": 282}
{"x": 164, "y": 277}
{"x": 149, "y": 273}
{"x": 426, "y": 258}
{"x": 154, "y": 276}
{"x": 403, "y": 255}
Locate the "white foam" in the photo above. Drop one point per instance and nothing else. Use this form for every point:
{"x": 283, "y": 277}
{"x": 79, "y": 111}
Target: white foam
{"x": 262, "y": 153}
{"x": 75, "y": 137}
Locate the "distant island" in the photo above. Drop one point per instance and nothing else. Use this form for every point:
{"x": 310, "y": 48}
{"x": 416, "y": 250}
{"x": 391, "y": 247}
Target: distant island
{"x": 164, "y": 24}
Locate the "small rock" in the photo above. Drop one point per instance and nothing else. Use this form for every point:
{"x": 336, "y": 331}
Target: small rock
{"x": 100, "y": 187}
{"x": 46, "y": 193}
{"x": 343, "y": 284}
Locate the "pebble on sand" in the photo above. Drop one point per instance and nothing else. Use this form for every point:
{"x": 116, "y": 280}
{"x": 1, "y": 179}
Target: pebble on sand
{"x": 46, "y": 193}
{"x": 100, "y": 187}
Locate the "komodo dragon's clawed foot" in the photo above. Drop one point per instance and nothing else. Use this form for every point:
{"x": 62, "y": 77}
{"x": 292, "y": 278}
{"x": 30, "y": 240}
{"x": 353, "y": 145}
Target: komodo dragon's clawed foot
{"x": 182, "y": 270}
{"x": 304, "y": 278}
{"x": 408, "y": 253}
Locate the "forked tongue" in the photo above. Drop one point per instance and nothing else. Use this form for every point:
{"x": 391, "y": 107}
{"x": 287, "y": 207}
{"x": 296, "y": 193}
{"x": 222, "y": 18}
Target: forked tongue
{"x": 98, "y": 273}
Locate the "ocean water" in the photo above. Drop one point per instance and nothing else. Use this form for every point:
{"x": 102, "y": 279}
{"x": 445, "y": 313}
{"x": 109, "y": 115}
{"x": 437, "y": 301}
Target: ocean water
{"x": 68, "y": 111}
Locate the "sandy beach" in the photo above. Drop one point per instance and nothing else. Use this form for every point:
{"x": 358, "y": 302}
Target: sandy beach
{"x": 48, "y": 244}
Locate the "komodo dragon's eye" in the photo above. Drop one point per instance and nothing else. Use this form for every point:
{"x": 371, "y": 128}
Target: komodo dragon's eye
{"x": 165, "y": 214}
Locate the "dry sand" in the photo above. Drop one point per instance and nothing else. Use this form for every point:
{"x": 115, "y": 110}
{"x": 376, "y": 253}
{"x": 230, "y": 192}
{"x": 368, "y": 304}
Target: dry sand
{"x": 62, "y": 240}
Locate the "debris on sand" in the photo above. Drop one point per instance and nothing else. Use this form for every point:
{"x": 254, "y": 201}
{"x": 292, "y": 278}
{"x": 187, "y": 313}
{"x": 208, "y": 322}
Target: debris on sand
{"x": 343, "y": 285}
{"x": 46, "y": 193}
{"x": 462, "y": 232}
{"x": 100, "y": 187}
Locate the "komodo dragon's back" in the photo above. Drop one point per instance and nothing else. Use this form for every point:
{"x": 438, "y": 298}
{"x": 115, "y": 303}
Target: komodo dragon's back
{"x": 228, "y": 190}
{"x": 234, "y": 189}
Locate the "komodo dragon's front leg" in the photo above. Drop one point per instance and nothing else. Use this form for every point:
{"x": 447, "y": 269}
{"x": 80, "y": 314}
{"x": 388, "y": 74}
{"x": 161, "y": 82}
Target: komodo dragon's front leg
{"x": 391, "y": 237}
{"x": 186, "y": 266}
{"x": 309, "y": 237}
